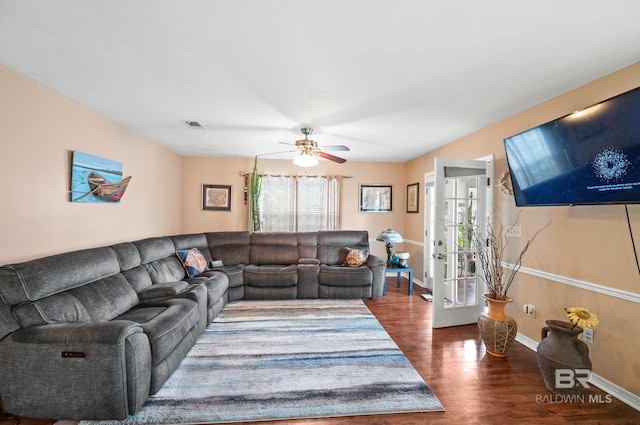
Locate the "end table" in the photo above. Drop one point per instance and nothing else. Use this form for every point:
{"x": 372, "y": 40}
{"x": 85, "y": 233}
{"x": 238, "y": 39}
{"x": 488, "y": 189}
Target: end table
{"x": 399, "y": 271}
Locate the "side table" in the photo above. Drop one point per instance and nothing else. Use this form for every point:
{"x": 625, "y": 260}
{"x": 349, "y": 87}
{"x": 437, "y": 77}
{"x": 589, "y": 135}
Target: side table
{"x": 399, "y": 271}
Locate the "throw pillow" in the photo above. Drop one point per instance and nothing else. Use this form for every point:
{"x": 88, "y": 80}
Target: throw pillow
{"x": 193, "y": 261}
{"x": 356, "y": 257}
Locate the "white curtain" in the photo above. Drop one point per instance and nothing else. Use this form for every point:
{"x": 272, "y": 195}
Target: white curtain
{"x": 300, "y": 203}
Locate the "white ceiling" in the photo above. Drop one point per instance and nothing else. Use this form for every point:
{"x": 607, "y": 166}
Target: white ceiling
{"x": 392, "y": 79}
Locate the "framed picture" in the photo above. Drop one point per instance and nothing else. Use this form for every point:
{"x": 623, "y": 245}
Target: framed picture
{"x": 96, "y": 179}
{"x": 413, "y": 197}
{"x": 216, "y": 197}
{"x": 375, "y": 197}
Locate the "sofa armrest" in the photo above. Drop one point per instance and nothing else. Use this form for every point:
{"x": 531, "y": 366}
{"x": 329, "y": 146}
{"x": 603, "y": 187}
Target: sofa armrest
{"x": 111, "y": 332}
{"x": 76, "y": 370}
{"x": 378, "y": 267}
{"x": 375, "y": 261}
{"x": 309, "y": 261}
{"x": 162, "y": 291}
{"x": 308, "y": 278}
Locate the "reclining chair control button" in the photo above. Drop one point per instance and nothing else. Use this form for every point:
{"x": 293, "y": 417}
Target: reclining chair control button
{"x": 73, "y": 354}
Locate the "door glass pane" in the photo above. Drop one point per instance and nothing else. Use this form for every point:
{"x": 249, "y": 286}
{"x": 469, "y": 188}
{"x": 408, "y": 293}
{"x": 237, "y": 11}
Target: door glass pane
{"x": 461, "y": 212}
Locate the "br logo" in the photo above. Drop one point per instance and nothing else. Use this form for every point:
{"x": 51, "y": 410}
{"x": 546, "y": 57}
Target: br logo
{"x": 571, "y": 378}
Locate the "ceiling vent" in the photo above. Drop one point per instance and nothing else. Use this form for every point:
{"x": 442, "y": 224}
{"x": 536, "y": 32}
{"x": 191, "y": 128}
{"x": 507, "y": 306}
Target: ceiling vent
{"x": 193, "y": 124}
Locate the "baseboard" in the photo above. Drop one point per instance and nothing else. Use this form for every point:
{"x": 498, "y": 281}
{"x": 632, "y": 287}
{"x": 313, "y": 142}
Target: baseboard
{"x": 527, "y": 342}
{"x": 607, "y": 386}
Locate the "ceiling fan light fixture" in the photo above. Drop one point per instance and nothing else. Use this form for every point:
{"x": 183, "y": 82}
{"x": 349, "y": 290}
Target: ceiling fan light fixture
{"x": 305, "y": 160}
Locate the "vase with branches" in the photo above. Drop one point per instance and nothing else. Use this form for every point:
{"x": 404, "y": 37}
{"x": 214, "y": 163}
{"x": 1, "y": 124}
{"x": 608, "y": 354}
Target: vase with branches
{"x": 490, "y": 253}
{"x": 497, "y": 329}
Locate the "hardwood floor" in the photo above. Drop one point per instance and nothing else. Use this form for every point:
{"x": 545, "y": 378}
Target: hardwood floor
{"x": 474, "y": 388}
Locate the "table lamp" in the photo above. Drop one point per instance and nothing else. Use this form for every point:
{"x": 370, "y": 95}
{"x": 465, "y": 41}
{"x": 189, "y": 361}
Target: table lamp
{"x": 389, "y": 236}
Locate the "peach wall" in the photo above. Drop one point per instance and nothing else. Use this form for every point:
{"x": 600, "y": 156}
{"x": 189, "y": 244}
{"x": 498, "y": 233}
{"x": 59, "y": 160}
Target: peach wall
{"x": 38, "y": 130}
{"x": 197, "y": 171}
{"x": 583, "y": 244}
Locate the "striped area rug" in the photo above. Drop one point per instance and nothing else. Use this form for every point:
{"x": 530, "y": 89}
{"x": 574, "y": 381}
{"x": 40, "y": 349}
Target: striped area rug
{"x": 268, "y": 360}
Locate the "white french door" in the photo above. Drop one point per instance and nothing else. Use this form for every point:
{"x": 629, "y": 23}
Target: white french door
{"x": 462, "y": 203}
{"x": 429, "y": 225}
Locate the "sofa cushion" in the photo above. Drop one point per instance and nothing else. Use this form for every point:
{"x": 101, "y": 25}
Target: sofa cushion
{"x": 270, "y": 276}
{"x": 273, "y": 248}
{"x": 216, "y": 283}
{"x": 94, "y": 302}
{"x": 345, "y": 276}
{"x": 165, "y": 323}
{"x": 32, "y": 280}
{"x": 331, "y": 242}
{"x": 193, "y": 261}
{"x": 231, "y": 247}
{"x": 162, "y": 291}
{"x": 152, "y": 249}
{"x": 168, "y": 269}
{"x": 138, "y": 277}
{"x": 307, "y": 244}
{"x": 188, "y": 241}
{"x": 127, "y": 254}
{"x": 8, "y": 322}
{"x": 194, "y": 240}
{"x": 234, "y": 273}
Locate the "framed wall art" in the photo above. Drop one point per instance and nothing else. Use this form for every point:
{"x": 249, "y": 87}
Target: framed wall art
{"x": 96, "y": 179}
{"x": 413, "y": 197}
{"x": 216, "y": 197}
{"x": 375, "y": 197}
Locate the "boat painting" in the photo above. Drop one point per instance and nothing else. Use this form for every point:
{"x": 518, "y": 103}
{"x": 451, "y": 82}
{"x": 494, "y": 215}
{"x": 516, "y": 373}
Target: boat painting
{"x": 104, "y": 189}
{"x": 95, "y": 179}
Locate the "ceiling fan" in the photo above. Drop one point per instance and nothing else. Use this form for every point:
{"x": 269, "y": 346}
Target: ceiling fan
{"x": 309, "y": 150}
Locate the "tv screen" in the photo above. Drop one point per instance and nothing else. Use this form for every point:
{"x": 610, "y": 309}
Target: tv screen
{"x": 586, "y": 158}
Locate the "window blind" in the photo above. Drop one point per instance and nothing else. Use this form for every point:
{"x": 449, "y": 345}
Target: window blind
{"x": 300, "y": 203}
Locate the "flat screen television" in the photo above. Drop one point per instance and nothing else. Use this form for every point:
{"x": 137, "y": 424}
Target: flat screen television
{"x": 589, "y": 157}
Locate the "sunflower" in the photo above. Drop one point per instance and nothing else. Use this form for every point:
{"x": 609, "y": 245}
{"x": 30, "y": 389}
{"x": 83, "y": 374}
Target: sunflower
{"x": 582, "y": 317}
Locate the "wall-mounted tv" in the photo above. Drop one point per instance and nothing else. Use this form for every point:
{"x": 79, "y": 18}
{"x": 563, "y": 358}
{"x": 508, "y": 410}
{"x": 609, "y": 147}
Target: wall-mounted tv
{"x": 589, "y": 157}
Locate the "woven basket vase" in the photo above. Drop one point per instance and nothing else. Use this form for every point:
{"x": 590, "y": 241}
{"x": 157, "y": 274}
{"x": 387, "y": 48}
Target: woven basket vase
{"x": 498, "y": 330}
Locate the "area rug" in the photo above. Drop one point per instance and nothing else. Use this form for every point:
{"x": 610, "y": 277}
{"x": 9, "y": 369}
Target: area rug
{"x": 269, "y": 360}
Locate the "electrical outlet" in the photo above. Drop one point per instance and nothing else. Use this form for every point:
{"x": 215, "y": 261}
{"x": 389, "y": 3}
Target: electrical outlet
{"x": 514, "y": 232}
{"x": 587, "y": 335}
{"x": 529, "y": 310}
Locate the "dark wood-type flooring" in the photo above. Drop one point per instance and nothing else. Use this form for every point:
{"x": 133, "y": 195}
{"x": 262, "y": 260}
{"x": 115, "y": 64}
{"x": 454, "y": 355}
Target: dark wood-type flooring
{"x": 474, "y": 388}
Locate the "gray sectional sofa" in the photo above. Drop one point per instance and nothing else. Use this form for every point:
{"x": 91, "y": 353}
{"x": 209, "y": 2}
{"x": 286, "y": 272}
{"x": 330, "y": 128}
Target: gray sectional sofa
{"x": 90, "y": 334}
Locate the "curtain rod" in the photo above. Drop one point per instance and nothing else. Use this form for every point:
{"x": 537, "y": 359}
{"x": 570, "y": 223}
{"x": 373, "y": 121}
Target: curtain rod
{"x": 244, "y": 174}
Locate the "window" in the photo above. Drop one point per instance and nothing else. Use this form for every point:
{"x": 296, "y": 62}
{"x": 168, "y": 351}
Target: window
{"x": 300, "y": 203}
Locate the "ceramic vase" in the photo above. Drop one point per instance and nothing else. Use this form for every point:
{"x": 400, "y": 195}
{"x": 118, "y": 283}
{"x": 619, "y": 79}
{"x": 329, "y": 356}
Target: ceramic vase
{"x": 498, "y": 330}
{"x": 560, "y": 348}
{"x": 402, "y": 257}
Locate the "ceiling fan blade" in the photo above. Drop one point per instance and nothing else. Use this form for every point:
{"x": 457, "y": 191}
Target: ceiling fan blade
{"x": 335, "y": 148}
{"x": 331, "y": 157}
{"x": 276, "y": 153}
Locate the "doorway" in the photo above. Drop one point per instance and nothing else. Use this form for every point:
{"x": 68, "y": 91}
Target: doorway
{"x": 458, "y": 202}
